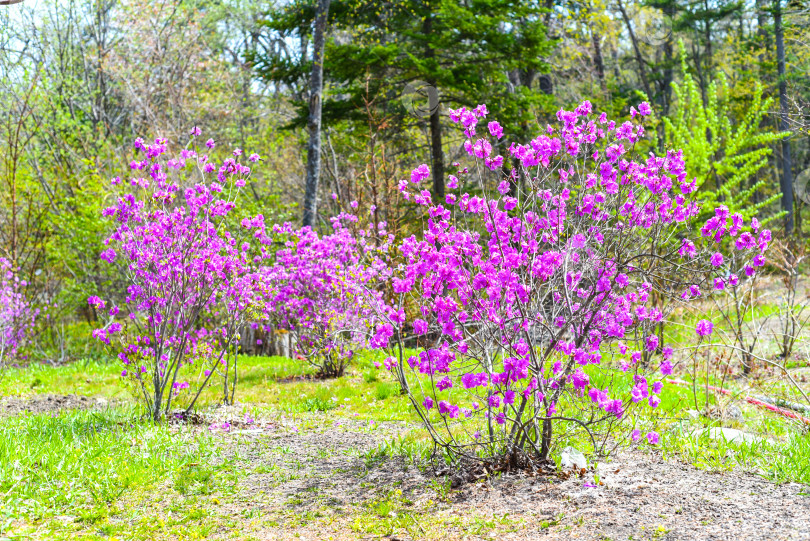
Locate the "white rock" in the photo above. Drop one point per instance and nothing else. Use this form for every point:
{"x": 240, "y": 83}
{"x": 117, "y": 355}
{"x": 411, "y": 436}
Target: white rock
{"x": 571, "y": 457}
{"x": 730, "y": 435}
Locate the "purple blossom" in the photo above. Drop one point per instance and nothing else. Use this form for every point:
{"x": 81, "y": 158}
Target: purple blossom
{"x": 644, "y": 108}
{"x": 704, "y": 327}
{"x": 420, "y": 173}
{"x": 444, "y": 383}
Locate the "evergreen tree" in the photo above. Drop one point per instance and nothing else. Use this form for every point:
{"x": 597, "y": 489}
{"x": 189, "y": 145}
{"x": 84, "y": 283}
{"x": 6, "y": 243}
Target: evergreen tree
{"x": 459, "y": 53}
{"x": 723, "y": 154}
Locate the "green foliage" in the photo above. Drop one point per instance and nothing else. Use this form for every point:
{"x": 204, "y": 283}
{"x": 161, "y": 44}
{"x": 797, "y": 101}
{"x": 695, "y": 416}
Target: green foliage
{"x": 81, "y": 460}
{"x": 724, "y": 151}
{"x": 467, "y": 51}
{"x": 386, "y": 390}
{"x": 317, "y": 404}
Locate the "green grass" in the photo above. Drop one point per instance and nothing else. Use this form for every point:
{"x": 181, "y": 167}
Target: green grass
{"x": 86, "y": 377}
{"x": 91, "y": 472}
{"x": 775, "y": 460}
{"x": 108, "y": 475}
{"x": 268, "y": 381}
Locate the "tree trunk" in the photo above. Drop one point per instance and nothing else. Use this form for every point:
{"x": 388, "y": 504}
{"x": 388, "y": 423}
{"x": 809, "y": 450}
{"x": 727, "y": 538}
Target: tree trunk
{"x": 436, "y": 152}
{"x": 598, "y": 62}
{"x": 314, "y": 122}
{"x": 707, "y": 29}
{"x": 669, "y": 59}
{"x": 437, "y": 155}
{"x": 642, "y": 71}
{"x": 787, "y": 177}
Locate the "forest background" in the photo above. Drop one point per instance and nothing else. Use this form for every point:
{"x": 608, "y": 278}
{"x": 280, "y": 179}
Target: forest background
{"x": 80, "y": 80}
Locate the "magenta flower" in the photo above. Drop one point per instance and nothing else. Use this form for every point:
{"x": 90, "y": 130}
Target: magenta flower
{"x": 704, "y": 327}
{"x": 526, "y": 284}
{"x": 420, "y": 173}
{"x": 644, "y": 108}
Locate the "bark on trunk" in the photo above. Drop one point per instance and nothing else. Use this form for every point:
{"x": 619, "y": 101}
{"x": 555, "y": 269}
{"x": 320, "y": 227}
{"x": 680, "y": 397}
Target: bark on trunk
{"x": 642, "y": 71}
{"x": 787, "y": 176}
{"x": 314, "y": 122}
{"x": 598, "y": 62}
{"x": 436, "y": 152}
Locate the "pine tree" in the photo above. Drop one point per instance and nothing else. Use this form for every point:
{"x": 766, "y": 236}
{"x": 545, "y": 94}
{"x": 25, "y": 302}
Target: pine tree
{"x": 464, "y": 50}
{"x": 722, "y": 154}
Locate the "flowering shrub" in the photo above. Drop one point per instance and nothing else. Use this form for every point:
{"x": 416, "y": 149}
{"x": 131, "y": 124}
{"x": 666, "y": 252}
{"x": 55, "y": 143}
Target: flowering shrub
{"x": 191, "y": 281}
{"x": 318, "y": 289}
{"x": 533, "y": 302}
{"x": 735, "y": 293}
{"x": 16, "y": 314}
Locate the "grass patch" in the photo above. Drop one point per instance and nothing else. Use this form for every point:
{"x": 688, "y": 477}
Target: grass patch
{"x": 83, "y": 469}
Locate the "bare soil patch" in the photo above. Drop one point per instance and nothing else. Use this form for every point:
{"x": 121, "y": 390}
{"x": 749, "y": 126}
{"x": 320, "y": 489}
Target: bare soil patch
{"x": 47, "y": 403}
{"x": 322, "y": 483}
{"x": 315, "y": 476}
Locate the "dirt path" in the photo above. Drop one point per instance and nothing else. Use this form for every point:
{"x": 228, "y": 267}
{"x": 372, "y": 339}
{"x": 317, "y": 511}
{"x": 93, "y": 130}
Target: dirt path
{"x": 47, "y": 403}
{"x": 317, "y": 476}
{"x": 321, "y": 483}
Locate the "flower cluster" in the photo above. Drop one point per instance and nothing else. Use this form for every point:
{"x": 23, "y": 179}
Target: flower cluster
{"x": 17, "y": 316}
{"x": 197, "y": 277}
{"x": 191, "y": 280}
{"x": 318, "y": 288}
{"x": 535, "y": 300}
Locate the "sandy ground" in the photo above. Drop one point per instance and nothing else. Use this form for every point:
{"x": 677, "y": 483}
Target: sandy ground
{"x": 643, "y": 496}
{"x": 315, "y": 476}
{"x": 48, "y": 403}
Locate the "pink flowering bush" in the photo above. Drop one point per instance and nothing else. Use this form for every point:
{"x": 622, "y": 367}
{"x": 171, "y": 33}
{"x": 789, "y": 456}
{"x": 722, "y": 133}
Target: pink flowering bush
{"x": 17, "y": 316}
{"x": 531, "y": 297}
{"x": 192, "y": 282}
{"x": 318, "y": 288}
{"x": 736, "y": 292}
